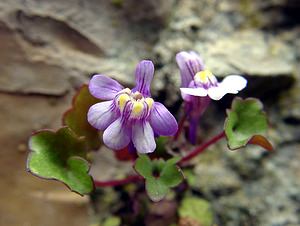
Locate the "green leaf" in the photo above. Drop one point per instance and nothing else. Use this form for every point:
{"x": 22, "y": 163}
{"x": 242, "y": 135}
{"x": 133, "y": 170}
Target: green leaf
{"x": 156, "y": 189}
{"x": 143, "y": 166}
{"x": 76, "y": 118}
{"x": 171, "y": 175}
{"x": 196, "y": 209}
{"x": 245, "y": 119}
{"x": 60, "y": 156}
{"x": 173, "y": 160}
{"x": 160, "y": 175}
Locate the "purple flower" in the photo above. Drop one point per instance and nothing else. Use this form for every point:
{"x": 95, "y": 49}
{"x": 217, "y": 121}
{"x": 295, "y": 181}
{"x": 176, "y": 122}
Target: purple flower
{"x": 199, "y": 86}
{"x": 130, "y": 116}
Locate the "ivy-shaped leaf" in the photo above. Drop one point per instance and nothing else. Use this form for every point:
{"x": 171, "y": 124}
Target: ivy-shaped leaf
{"x": 60, "y": 156}
{"x": 160, "y": 175}
{"x": 245, "y": 120}
{"x": 76, "y": 118}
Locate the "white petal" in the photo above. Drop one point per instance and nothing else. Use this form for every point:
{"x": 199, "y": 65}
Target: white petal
{"x": 199, "y": 92}
{"x": 230, "y": 84}
{"x": 116, "y": 136}
{"x": 233, "y": 83}
{"x": 143, "y": 137}
{"x": 216, "y": 93}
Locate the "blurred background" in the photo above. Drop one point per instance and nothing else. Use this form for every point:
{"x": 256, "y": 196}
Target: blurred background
{"x": 49, "y": 48}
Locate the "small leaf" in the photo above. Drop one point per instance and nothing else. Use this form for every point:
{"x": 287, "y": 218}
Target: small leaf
{"x": 197, "y": 210}
{"x": 143, "y": 166}
{"x": 156, "y": 189}
{"x": 160, "y": 175}
{"x": 76, "y": 118}
{"x": 244, "y": 120}
{"x": 261, "y": 141}
{"x": 60, "y": 156}
{"x": 171, "y": 175}
{"x": 173, "y": 160}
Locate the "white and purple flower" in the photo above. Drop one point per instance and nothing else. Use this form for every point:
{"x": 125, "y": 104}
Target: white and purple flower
{"x": 199, "y": 86}
{"x": 130, "y": 115}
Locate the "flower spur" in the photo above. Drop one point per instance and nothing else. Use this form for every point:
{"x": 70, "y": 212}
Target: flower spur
{"x": 130, "y": 116}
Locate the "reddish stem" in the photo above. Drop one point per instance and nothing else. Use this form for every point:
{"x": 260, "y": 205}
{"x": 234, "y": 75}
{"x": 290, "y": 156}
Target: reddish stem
{"x": 112, "y": 183}
{"x": 180, "y": 126}
{"x": 202, "y": 147}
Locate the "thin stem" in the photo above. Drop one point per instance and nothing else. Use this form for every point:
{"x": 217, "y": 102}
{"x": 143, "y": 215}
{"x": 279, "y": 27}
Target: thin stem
{"x": 180, "y": 126}
{"x": 202, "y": 147}
{"x": 112, "y": 183}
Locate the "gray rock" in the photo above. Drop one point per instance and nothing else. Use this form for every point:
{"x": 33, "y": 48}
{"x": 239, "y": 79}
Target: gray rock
{"x": 47, "y": 46}
{"x": 212, "y": 177}
{"x": 248, "y": 52}
{"x": 272, "y": 200}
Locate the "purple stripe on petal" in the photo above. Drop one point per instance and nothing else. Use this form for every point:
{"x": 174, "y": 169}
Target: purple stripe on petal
{"x": 189, "y": 64}
{"x": 143, "y": 77}
{"x": 143, "y": 137}
{"x": 101, "y": 115}
{"x": 117, "y": 135}
{"x": 162, "y": 121}
{"x": 103, "y": 87}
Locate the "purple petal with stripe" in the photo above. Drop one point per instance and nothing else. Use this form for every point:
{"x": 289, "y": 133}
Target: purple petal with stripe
{"x": 143, "y": 137}
{"x": 117, "y": 135}
{"x": 189, "y": 64}
{"x": 101, "y": 115}
{"x": 143, "y": 77}
{"x": 162, "y": 121}
{"x": 103, "y": 87}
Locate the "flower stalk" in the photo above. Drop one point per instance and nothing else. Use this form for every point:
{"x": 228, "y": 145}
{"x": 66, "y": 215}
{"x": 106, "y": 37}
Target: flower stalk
{"x": 202, "y": 148}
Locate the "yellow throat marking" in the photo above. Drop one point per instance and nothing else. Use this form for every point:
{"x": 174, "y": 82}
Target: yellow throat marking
{"x": 137, "y": 102}
{"x": 123, "y": 100}
{"x": 203, "y": 76}
{"x": 137, "y": 108}
{"x": 149, "y": 101}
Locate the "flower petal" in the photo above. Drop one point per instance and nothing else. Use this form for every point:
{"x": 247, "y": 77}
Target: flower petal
{"x": 233, "y": 83}
{"x": 101, "y": 115}
{"x": 189, "y": 64}
{"x": 230, "y": 84}
{"x": 103, "y": 87}
{"x": 143, "y": 137}
{"x": 143, "y": 77}
{"x": 200, "y": 92}
{"x": 117, "y": 135}
{"x": 162, "y": 121}
{"x": 216, "y": 93}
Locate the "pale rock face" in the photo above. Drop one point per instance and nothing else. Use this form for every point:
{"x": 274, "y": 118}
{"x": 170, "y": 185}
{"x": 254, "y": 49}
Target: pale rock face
{"x": 48, "y": 46}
